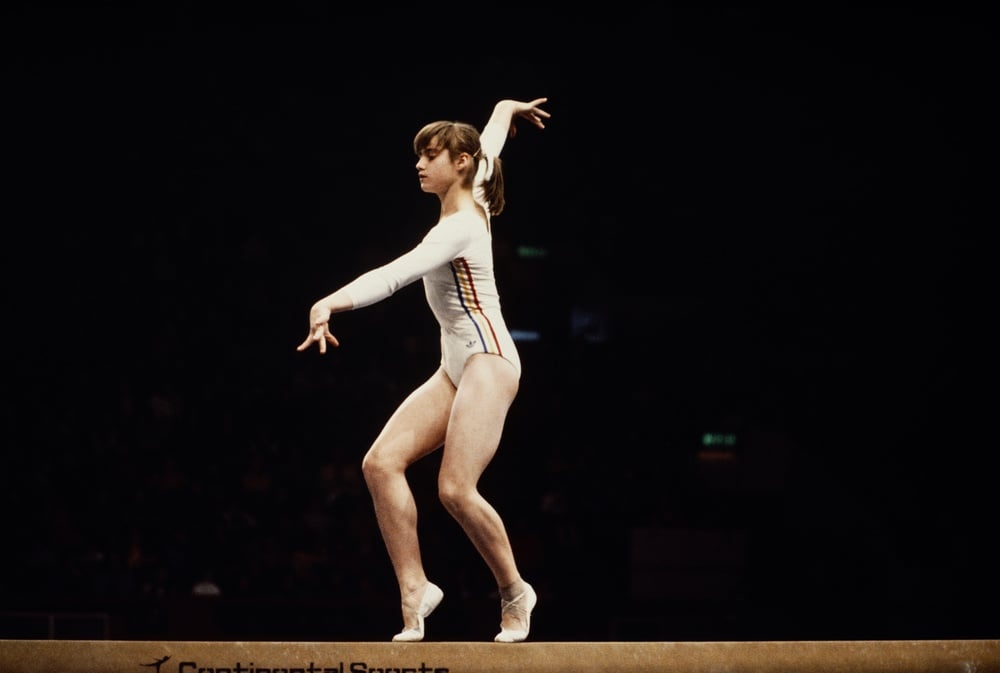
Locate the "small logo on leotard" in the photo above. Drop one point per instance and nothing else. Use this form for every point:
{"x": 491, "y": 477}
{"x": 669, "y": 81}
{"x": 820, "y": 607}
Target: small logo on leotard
{"x": 470, "y": 344}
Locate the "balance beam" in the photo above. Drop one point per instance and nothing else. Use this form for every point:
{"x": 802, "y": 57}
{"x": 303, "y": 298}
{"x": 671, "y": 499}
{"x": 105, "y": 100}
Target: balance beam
{"x": 864, "y": 656}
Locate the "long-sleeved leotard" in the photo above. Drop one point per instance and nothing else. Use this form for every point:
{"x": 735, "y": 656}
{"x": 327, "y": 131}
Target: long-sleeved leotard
{"x": 455, "y": 260}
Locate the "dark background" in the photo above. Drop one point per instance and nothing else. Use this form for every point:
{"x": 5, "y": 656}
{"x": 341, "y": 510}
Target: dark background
{"x": 758, "y": 405}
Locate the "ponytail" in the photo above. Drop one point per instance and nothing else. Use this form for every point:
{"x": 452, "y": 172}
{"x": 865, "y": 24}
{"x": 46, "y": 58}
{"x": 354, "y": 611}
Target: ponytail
{"x": 493, "y": 188}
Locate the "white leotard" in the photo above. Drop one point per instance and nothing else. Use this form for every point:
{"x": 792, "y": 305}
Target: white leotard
{"x": 455, "y": 260}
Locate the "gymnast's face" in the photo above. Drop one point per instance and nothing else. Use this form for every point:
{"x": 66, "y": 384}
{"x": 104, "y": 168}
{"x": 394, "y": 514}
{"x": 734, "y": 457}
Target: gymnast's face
{"x": 435, "y": 168}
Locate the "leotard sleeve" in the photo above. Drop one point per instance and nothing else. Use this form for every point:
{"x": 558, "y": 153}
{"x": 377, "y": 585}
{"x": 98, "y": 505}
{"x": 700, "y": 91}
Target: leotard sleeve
{"x": 491, "y": 140}
{"x": 443, "y": 243}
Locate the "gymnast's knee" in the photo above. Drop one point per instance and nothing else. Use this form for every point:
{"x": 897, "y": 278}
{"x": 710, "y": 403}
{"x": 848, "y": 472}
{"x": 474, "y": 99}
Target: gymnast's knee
{"x": 375, "y": 465}
{"x": 454, "y": 495}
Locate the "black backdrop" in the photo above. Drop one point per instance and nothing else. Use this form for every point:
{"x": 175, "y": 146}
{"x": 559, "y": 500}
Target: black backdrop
{"x": 748, "y": 244}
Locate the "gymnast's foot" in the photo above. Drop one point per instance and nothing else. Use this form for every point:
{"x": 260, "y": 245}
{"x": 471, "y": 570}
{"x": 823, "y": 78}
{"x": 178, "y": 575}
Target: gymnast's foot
{"x": 516, "y": 603}
{"x": 430, "y": 595}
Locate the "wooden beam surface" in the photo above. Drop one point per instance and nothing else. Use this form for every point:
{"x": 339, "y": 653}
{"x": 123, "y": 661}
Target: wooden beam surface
{"x": 111, "y": 656}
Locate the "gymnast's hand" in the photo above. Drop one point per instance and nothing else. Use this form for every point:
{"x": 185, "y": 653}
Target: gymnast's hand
{"x": 319, "y": 330}
{"x": 529, "y": 111}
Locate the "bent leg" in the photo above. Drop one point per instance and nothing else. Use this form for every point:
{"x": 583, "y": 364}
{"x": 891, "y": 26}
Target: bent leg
{"x": 486, "y": 390}
{"x": 414, "y": 430}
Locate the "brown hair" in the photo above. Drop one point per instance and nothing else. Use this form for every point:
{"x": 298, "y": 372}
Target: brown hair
{"x": 458, "y": 137}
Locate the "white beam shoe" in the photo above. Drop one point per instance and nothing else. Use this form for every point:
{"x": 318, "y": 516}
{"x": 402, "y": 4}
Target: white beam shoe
{"x": 432, "y": 596}
{"x": 522, "y": 606}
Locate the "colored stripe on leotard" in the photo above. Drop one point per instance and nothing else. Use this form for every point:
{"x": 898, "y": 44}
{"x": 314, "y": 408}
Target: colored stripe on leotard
{"x": 467, "y": 296}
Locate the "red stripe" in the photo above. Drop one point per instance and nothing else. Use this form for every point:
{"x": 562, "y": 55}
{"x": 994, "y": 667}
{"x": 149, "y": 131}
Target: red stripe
{"x": 465, "y": 273}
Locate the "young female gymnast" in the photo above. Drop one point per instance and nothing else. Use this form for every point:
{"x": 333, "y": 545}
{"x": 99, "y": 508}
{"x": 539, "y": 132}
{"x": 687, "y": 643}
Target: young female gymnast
{"x": 463, "y": 405}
